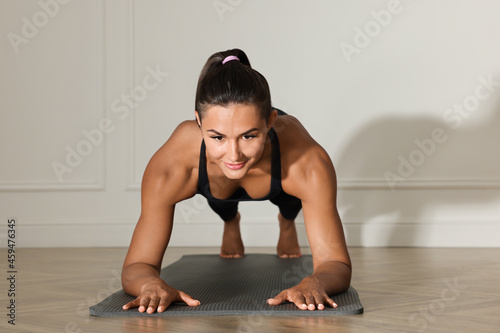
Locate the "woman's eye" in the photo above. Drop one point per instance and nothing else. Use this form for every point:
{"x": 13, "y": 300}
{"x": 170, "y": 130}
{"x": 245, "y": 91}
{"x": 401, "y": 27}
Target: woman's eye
{"x": 217, "y": 138}
{"x": 248, "y": 137}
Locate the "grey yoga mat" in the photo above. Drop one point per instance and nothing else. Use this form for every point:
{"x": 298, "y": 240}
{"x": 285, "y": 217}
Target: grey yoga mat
{"x": 233, "y": 287}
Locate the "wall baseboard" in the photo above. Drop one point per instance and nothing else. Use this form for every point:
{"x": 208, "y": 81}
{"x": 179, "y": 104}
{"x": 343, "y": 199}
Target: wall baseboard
{"x": 470, "y": 234}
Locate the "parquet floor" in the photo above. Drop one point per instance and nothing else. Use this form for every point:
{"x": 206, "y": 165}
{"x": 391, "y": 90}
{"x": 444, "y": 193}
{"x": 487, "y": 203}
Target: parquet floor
{"x": 402, "y": 290}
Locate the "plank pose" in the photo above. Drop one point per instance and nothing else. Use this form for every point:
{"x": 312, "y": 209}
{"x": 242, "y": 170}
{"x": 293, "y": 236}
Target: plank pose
{"x": 239, "y": 148}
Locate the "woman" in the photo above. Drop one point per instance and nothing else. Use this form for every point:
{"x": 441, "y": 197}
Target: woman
{"x": 239, "y": 148}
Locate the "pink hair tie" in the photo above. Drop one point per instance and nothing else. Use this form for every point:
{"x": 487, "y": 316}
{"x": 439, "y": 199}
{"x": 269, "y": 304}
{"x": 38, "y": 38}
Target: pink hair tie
{"x": 229, "y": 58}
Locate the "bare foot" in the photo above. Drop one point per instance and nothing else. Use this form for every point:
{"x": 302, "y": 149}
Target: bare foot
{"x": 288, "y": 245}
{"x": 232, "y": 245}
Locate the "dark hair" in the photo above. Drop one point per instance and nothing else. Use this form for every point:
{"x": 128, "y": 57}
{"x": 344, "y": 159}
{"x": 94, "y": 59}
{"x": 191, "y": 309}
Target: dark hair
{"x": 233, "y": 82}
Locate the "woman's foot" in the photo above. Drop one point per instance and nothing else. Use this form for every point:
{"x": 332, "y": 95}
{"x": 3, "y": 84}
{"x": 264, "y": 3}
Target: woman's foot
{"x": 288, "y": 245}
{"x": 232, "y": 245}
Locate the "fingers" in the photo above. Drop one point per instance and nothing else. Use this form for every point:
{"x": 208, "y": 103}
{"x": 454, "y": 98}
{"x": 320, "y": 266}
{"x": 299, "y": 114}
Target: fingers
{"x": 154, "y": 303}
{"x": 164, "y": 304}
{"x": 132, "y": 304}
{"x": 319, "y": 301}
{"x": 330, "y": 302}
{"x": 142, "y": 303}
{"x": 188, "y": 299}
{"x": 278, "y": 299}
{"x": 149, "y": 304}
{"x": 310, "y": 301}
{"x": 287, "y": 295}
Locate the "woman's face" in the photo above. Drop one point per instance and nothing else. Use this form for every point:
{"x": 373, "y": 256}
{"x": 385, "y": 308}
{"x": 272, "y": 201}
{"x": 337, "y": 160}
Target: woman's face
{"x": 234, "y": 136}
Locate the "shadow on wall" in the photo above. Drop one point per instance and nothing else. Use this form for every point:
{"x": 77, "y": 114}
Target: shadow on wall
{"x": 460, "y": 151}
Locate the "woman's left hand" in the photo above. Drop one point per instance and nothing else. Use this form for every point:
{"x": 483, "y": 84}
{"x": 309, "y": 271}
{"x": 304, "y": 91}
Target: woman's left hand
{"x": 307, "y": 295}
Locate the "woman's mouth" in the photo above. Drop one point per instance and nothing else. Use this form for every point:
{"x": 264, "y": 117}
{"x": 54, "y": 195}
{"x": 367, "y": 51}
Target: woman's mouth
{"x": 234, "y": 166}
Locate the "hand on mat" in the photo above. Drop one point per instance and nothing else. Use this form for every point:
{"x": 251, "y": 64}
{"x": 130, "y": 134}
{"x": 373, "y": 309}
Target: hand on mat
{"x": 157, "y": 296}
{"x": 307, "y": 295}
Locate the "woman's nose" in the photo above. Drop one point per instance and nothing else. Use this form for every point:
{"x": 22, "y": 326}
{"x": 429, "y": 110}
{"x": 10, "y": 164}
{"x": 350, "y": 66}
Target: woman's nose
{"x": 234, "y": 152}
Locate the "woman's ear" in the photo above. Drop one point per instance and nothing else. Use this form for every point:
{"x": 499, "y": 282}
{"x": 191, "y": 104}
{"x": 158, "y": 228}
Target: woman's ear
{"x": 198, "y": 120}
{"x": 272, "y": 119}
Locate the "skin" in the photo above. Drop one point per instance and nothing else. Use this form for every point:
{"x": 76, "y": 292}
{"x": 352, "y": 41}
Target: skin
{"x": 239, "y": 154}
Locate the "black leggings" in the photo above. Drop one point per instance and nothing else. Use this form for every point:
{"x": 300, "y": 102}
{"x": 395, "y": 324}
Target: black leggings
{"x": 288, "y": 205}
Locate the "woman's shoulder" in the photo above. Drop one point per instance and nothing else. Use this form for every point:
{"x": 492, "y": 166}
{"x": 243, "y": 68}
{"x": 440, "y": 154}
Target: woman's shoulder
{"x": 182, "y": 149}
{"x": 301, "y": 156}
{"x": 295, "y": 141}
{"x": 178, "y": 157}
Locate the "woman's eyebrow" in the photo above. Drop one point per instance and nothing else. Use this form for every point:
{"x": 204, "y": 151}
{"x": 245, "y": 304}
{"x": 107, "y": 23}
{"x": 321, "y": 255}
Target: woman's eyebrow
{"x": 244, "y": 133}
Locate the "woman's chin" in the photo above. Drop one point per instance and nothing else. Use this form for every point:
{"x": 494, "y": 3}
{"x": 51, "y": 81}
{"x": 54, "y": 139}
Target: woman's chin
{"x": 235, "y": 175}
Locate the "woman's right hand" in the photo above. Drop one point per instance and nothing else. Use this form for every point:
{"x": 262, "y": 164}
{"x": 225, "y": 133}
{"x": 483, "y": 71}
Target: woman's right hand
{"x": 157, "y": 296}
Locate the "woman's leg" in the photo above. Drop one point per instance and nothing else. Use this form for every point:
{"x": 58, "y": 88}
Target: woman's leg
{"x": 288, "y": 244}
{"x": 232, "y": 244}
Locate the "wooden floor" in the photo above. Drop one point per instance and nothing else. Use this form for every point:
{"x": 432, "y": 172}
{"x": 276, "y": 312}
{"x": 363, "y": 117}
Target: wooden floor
{"x": 402, "y": 290}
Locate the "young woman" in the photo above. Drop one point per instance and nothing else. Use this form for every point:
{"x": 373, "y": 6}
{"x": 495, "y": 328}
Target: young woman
{"x": 239, "y": 148}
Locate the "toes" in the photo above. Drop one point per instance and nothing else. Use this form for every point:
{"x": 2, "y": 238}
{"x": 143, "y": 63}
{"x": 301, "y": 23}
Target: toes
{"x": 292, "y": 255}
{"x": 231, "y": 256}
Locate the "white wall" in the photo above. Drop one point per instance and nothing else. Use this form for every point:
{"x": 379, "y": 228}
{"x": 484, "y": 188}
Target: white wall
{"x": 367, "y": 78}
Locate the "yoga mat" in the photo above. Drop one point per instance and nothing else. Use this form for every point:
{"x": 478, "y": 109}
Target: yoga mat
{"x": 233, "y": 287}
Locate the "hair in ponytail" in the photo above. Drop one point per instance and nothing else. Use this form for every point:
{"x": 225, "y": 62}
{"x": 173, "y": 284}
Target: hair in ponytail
{"x": 227, "y": 78}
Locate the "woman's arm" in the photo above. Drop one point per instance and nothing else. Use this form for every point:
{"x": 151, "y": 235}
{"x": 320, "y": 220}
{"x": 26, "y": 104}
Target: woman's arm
{"x": 168, "y": 179}
{"x": 331, "y": 261}
{"x": 311, "y": 177}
